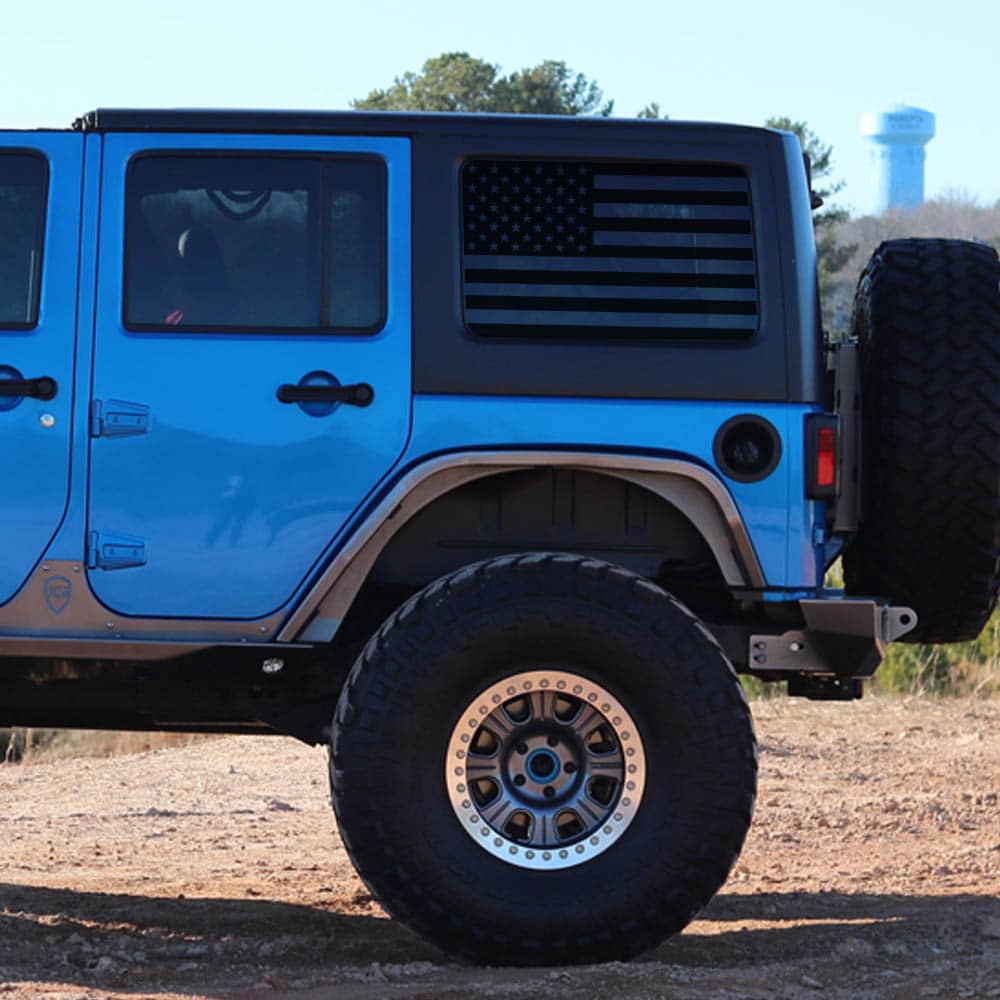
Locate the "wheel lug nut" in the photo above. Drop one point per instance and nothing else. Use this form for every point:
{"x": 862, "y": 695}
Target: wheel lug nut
{"x": 552, "y": 741}
{"x": 522, "y": 748}
{"x": 519, "y": 779}
{"x": 569, "y": 768}
{"x": 549, "y": 791}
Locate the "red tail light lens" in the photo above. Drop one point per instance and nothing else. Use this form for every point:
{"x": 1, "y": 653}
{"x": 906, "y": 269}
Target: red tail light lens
{"x": 826, "y": 457}
{"x": 821, "y": 456}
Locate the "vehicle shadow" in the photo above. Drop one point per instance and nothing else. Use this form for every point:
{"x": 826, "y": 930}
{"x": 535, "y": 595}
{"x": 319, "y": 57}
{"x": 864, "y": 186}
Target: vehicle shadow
{"x": 66, "y": 936}
{"x": 784, "y": 926}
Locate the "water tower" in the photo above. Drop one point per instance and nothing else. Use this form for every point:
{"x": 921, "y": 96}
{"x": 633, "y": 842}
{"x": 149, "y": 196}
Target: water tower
{"x": 898, "y": 137}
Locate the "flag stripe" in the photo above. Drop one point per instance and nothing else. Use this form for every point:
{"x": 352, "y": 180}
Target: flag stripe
{"x": 604, "y": 331}
{"x": 608, "y": 264}
{"x": 693, "y": 171}
{"x": 607, "y": 304}
{"x": 673, "y": 197}
{"x": 656, "y": 279}
{"x": 686, "y": 211}
{"x": 674, "y": 184}
{"x": 707, "y": 241}
{"x": 574, "y": 292}
{"x": 634, "y": 223}
{"x": 527, "y": 318}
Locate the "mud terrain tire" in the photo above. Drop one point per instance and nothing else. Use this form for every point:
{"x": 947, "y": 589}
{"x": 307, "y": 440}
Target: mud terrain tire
{"x": 414, "y": 690}
{"x": 927, "y": 315}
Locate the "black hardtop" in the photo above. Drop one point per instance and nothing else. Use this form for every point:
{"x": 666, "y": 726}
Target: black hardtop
{"x": 780, "y": 361}
{"x": 409, "y": 123}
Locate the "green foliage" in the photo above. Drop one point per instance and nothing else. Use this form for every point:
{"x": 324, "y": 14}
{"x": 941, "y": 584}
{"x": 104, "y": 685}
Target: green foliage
{"x": 652, "y": 110}
{"x": 831, "y": 254}
{"x": 757, "y": 690}
{"x": 456, "y": 81}
{"x": 820, "y": 155}
{"x": 970, "y": 669}
{"x": 964, "y": 668}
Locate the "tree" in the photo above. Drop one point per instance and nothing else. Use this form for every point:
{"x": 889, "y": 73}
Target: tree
{"x": 652, "y": 110}
{"x": 831, "y": 255}
{"x": 456, "y": 81}
{"x": 820, "y": 155}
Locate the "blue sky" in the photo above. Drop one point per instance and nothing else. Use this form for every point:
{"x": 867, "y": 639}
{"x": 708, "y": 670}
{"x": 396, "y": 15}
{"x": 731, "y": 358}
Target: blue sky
{"x": 715, "y": 60}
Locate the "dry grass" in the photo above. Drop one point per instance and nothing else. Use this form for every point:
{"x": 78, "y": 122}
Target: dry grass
{"x": 41, "y": 745}
{"x": 966, "y": 669}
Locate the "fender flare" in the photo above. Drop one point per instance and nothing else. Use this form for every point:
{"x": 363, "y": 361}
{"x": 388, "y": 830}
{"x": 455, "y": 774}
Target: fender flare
{"x": 695, "y": 491}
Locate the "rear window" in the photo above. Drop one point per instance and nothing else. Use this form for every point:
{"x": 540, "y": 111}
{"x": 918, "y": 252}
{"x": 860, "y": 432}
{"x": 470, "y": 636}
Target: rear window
{"x": 568, "y": 248}
{"x": 23, "y": 186}
{"x": 255, "y": 243}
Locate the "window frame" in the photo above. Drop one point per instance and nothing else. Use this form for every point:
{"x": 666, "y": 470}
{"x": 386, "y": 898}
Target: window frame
{"x": 324, "y": 158}
{"x": 36, "y": 305}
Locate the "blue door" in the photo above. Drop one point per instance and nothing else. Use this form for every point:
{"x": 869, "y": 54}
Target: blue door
{"x": 251, "y": 362}
{"x": 40, "y": 184}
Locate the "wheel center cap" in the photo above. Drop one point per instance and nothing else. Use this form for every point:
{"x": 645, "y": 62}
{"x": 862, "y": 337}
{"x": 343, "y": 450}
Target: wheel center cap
{"x": 542, "y": 765}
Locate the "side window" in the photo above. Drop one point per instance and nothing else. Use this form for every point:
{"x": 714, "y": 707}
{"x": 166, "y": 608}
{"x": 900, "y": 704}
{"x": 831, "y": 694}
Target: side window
{"x": 568, "y": 248}
{"x": 23, "y": 187}
{"x": 255, "y": 243}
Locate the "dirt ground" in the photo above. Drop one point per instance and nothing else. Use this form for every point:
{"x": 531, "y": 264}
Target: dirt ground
{"x": 215, "y": 870}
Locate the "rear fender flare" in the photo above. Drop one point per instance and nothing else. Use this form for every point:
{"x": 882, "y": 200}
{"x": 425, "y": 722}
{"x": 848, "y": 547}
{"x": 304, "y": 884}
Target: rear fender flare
{"x": 694, "y": 490}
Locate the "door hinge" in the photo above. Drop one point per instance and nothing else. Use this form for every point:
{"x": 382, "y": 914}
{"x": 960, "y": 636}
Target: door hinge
{"x": 117, "y": 418}
{"x": 107, "y": 551}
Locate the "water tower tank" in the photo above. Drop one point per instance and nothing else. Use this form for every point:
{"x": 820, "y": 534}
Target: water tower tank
{"x": 898, "y": 137}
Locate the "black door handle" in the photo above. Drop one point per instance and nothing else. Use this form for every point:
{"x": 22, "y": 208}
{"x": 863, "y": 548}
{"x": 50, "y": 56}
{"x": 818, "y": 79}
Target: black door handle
{"x": 41, "y": 388}
{"x": 360, "y": 394}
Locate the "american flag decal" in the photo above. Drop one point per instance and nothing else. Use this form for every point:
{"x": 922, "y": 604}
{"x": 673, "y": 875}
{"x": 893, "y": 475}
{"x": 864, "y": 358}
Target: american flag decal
{"x": 569, "y": 249}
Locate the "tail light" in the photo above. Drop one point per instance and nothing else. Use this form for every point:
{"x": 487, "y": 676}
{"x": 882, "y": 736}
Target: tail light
{"x": 822, "y": 458}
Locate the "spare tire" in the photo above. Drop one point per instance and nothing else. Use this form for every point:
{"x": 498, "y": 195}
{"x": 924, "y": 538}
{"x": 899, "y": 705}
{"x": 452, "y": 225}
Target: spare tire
{"x": 927, "y": 318}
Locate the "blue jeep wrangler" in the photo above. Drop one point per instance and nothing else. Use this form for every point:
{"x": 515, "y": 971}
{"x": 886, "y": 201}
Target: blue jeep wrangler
{"x": 488, "y": 450}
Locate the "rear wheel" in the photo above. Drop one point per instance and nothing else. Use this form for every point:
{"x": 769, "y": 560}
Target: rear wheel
{"x": 927, "y": 317}
{"x": 543, "y": 759}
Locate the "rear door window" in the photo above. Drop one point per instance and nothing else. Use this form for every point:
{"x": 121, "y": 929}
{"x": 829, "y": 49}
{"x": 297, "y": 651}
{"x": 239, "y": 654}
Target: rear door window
{"x": 255, "y": 243}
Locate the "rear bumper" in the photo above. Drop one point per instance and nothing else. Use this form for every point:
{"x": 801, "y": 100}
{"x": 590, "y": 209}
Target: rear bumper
{"x": 842, "y": 638}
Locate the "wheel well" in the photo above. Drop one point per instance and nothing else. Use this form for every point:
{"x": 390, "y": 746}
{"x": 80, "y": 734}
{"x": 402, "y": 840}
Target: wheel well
{"x": 564, "y": 510}
{"x": 542, "y": 509}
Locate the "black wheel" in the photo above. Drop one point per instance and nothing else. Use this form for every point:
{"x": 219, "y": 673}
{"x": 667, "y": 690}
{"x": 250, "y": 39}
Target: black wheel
{"x": 543, "y": 759}
{"x": 927, "y": 315}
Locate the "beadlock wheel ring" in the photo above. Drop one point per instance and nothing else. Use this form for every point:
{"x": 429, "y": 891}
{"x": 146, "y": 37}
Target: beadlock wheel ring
{"x": 545, "y": 769}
